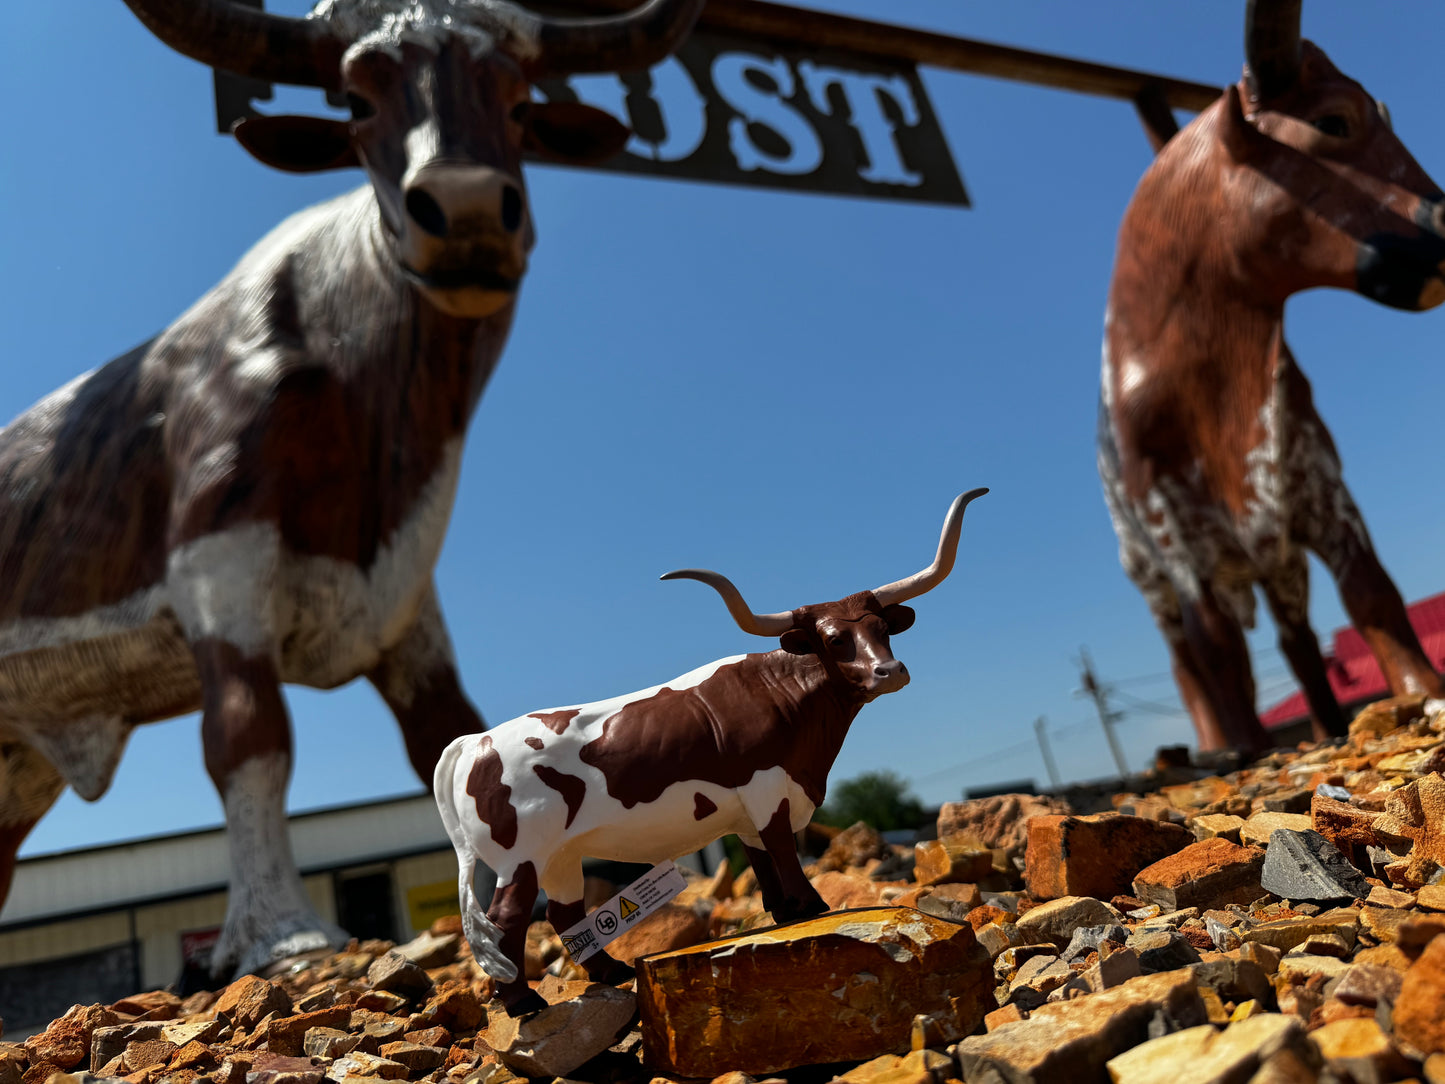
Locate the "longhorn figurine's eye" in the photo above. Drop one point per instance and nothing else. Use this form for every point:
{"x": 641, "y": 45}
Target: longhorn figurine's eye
{"x": 1332, "y": 124}
{"x": 360, "y": 108}
{"x": 837, "y": 641}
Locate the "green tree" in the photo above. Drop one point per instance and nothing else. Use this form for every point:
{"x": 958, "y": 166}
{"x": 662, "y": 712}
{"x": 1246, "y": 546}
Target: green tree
{"x": 879, "y": 798}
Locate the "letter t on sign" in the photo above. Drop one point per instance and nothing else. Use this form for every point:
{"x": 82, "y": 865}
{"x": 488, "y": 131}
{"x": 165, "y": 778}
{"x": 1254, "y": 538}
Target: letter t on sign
{"x": 864, "y": 94}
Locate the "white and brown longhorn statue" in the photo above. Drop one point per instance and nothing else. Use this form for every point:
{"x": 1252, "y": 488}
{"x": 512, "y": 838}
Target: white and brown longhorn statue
{"x": 259, "y": 494}
{"x": 742, "y": 745}
{"x": 1218, "y": 471}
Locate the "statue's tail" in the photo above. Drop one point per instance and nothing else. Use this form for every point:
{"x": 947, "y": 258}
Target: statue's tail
{"x": 482, "y": 934}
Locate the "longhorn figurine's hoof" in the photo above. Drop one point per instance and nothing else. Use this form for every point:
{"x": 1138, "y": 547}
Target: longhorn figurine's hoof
{"x": 524, "y": 1005}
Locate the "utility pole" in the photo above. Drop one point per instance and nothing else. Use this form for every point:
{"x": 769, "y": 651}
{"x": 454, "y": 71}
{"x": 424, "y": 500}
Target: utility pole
{"x": 1107, "y": 718}
{"x": 1048, "y": 753}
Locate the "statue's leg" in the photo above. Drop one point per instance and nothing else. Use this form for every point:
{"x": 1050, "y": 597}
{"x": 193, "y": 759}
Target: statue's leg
{"x": 418, "y": 680}
{"x": 247, "y": 738}
{"x": 1217, "y": 660}
{"x": 1371, "y": 598}
{"x": 1288, "y": 593}
{"x": 29, "y": 785}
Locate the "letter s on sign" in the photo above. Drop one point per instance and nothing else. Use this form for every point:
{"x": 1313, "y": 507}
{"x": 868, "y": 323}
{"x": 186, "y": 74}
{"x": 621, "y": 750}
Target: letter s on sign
{"x": 730, "y": 74}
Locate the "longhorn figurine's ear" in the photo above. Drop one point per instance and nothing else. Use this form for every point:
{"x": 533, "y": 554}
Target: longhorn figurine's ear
{"x": 797, "y": 642}
{"x": 297, "y": 144}
{"x": 899, "y": 618}
{"x": 1240, "y": 138}
{"x": 572, "y": 132}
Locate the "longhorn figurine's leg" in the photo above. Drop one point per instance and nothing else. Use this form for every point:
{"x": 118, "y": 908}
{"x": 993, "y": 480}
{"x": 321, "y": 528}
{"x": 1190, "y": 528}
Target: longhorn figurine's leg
{"x": 247, "y": 739}
{"x": 1287, "y": 592}
{"x": 600, "y": 967}
{"x": 418, "y": 680}
{"x": 512, "y": 911}
{"x": 787, "y": 893}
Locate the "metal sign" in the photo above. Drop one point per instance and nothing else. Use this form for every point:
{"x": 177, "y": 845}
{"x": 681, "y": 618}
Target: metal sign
{"x": 737, "y": 109}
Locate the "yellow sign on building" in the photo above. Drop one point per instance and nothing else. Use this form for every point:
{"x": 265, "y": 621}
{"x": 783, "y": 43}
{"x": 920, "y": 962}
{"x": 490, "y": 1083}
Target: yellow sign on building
{"x": 427, "y": 903}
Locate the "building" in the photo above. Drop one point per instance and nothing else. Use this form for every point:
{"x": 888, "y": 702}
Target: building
{"x": 100, "y": 923}
{"x": 1354, "y": 674}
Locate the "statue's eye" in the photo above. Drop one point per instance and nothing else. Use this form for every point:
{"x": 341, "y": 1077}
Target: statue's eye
{"x": 360, "y": 108}
{"x": 838, "y": 640}
{"x": 1332, "y": 124}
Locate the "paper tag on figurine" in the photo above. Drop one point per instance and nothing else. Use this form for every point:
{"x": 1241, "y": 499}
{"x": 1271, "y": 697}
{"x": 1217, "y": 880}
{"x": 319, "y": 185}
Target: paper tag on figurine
{"x": 623, "y": 911}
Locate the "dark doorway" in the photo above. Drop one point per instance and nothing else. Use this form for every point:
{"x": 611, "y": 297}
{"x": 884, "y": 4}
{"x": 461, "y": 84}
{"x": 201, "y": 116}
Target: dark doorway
{"x": 364, "y": 905}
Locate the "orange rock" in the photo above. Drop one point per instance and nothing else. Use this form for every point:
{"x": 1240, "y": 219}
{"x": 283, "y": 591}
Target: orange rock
{"x": 851, "y": 985}
{"x": 954, "y": 859}
{"x": 250, "y": 999}
{"x": 66, "y": 1042}
{"x": 1096, "y": 855}
{"x": 1418, "y": 1019}
{"x": 843, "y": 890}
{"x": 1210, "y": 873}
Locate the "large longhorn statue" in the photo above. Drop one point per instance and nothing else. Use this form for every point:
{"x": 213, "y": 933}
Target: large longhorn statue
{"x": 742, "y": 745}
{"x": 259, "y": 494}
{"x": 1218, "y": 472}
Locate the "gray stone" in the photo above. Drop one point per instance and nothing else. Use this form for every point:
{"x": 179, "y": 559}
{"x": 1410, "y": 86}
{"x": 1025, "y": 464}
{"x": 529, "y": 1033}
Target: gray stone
{"x": 1087, "y": 939}
{"x": 1328, "y": 790}
{"x": 1224, "y": 938}
{"x": 395, "y": 974}
{"x": 1057, "y": 920}
{"x": 1162, "y": 950}
{"x": 428, "y": 950}
{"x": 1307, "y": 866}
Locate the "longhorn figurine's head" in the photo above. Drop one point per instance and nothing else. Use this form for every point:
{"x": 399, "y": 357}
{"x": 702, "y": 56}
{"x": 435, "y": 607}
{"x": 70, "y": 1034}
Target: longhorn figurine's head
{"x": 441, "y": 112}
{"x": 849, "y": 636}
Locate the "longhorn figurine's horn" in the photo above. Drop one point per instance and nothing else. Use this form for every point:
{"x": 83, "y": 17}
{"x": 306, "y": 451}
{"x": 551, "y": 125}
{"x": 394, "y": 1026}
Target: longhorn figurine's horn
{"x": 934, "y": 574}
{"x": 757, "y": 624}
{"x": 246, "y": 41}
{"x": 1271, "y": 45}
{"x": 632, "y": 41}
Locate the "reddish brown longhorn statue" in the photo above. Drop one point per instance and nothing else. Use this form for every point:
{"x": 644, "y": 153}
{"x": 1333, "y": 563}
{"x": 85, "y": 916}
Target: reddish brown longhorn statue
{"x": 259, "y": 494}
{"x": 1218, "y": 471}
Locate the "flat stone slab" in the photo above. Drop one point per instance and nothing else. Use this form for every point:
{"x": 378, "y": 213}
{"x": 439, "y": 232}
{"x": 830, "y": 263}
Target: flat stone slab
{"x": 841, "y": 987}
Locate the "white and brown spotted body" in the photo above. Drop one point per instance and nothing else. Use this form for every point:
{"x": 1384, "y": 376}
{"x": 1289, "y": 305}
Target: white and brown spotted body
{"x": 741, "y": 746}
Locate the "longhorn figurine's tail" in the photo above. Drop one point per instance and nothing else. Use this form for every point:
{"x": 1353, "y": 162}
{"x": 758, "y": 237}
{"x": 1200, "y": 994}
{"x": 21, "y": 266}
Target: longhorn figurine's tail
{"x": 482, "y": 934}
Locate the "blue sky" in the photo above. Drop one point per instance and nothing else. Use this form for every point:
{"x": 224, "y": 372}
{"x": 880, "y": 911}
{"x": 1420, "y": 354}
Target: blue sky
{"x": 789, "y": 389}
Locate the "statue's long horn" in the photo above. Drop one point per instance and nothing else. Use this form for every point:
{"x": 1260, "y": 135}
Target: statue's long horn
{"x": 244, "y": 40}
{"x": 632, "y": 41}
{"x": 1272, "y": 46}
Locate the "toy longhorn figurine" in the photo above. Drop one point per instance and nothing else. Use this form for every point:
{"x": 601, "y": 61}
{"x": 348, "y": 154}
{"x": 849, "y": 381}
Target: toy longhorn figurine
{"x": 1219, "y": 473}
{"x": 742, "y": 745}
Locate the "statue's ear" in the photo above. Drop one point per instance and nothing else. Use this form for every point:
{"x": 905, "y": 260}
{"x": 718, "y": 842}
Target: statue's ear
{"x": 797, "y": 642}
{"x": 1240, "y": 138}
{"x": 899, "y": 618}
{"x": 297, "y": 144}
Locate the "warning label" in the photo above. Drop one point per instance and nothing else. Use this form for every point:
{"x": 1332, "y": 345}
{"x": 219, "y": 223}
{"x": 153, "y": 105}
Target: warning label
{"x": 624, "y": 910}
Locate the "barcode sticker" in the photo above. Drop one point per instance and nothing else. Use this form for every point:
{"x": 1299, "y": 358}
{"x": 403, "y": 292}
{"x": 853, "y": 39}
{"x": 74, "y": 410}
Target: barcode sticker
{"x": 623, "y": 911}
